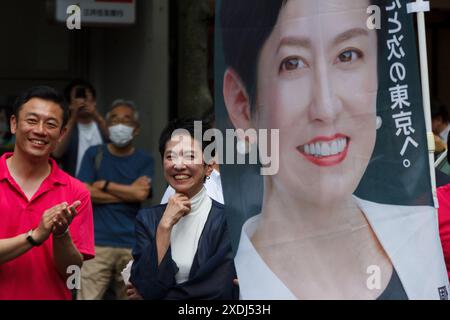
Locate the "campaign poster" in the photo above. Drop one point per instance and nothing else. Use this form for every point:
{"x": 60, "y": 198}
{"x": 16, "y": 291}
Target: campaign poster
{"x": 325, "y": 172}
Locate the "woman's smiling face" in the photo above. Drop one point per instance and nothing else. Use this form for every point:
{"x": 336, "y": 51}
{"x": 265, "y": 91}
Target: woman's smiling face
{"x": 184, "y": 168}
{"x": 317, "y": 84}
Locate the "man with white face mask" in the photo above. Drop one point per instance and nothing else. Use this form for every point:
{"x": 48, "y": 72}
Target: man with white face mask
{"x": 119, "y": 178}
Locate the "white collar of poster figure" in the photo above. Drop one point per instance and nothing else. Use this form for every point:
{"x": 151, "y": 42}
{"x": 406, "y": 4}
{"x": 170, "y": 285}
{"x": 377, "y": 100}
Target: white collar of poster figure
{"x": 414, "y": 252}
{"x": 213, "y": 187}
{"x": 444, "y": 133}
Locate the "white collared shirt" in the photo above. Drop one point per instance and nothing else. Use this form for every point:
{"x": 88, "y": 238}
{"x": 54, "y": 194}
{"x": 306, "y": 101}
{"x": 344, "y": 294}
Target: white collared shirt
{"x": 256, "y": 280}
{"x": 408, "y": 234}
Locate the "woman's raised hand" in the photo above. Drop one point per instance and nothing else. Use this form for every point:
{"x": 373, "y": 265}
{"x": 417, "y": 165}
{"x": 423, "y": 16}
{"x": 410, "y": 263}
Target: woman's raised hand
{"x": 178, "y": 206}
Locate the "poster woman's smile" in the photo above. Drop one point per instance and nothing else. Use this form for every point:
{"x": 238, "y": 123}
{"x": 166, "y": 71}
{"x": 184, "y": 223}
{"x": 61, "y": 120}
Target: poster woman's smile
{"x": 326, "y": 151}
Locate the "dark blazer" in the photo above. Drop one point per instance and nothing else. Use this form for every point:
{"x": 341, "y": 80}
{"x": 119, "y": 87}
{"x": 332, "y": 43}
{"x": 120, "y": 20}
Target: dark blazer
{"x": 212, "y": 271}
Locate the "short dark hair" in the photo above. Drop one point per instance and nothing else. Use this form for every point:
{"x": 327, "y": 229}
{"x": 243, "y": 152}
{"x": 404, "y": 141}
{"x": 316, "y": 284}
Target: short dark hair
{"x": 182, "y": 123}
{"x": 245, "y": 27}
{"x": 78, "y": 83}
{"x": 44, "y": 93}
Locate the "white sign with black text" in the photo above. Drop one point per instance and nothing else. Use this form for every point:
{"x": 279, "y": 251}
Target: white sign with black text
{"x": 99, "y": 12}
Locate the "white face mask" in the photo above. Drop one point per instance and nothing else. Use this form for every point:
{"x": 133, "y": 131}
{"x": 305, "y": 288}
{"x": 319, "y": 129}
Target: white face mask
{"x": 121, "y": 135}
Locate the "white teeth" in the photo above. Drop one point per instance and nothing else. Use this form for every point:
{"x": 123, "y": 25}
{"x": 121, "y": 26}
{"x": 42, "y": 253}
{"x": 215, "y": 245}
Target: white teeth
{"x": 325, "y": 149}
{"x": 334, "y": 147}
{"x": 342, "y": 144}
{"x": 312, "y": 149}
{"x": 38, "y": 142}
{"x": 317, "y": 146}
{"x": 181, "y": 177}
{"x": 307, "y": 149}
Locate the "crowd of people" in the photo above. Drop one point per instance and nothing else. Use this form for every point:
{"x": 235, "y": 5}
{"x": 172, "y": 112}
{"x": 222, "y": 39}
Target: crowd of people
{"x": 73, "y": 183}
{"x": 72, "y": 190}
{"x": 72, "y": 193}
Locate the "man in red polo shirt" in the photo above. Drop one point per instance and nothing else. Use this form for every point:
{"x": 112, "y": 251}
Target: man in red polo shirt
{"x": 45, "y": 214}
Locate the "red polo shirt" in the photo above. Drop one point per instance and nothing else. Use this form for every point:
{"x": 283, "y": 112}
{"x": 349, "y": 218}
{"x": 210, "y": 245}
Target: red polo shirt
{"x": 443, "y": 194}
{"x": 33, "y": 276}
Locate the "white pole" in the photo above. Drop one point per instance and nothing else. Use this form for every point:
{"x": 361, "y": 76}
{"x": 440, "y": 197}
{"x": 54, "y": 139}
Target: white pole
{"x": 426, "y": 96}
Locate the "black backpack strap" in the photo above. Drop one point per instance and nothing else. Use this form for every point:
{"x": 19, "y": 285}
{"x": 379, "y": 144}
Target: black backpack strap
{"x": 99, "y": 157}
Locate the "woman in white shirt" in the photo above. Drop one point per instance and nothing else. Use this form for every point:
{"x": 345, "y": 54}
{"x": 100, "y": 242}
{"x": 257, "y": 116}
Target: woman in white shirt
{"x": 182, "y": 248}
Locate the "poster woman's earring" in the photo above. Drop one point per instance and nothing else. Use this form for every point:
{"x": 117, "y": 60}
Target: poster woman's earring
{"x": 379, "y": 122}
{"x": 243, "y": 146}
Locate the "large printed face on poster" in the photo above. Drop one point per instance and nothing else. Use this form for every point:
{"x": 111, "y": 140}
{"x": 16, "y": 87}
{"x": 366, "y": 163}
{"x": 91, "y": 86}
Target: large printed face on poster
{"x": 326, "y": 95}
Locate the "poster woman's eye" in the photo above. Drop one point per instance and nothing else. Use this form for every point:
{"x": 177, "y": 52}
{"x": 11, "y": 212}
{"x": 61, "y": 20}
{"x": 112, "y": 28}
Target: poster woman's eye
{"x": 349, "y": 56}
{"x": 292, "y": 64}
